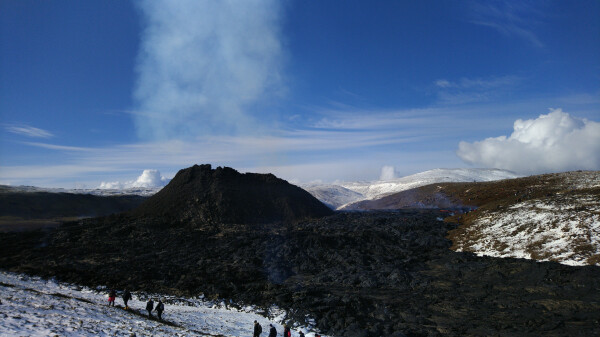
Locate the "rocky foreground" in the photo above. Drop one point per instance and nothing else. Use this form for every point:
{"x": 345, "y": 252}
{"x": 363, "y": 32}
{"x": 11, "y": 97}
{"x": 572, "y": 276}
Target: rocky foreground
{"x": 358, "y": 274}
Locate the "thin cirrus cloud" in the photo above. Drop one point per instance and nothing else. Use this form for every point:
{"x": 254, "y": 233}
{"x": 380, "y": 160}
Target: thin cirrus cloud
{"x": 553, "y": 142}
{"x": 28, "y": 131}
{"x": 510, "y": 18}
{"x": 203, "y": 65}
{"x": 283, "y": 151}
{"x": 470, "y": 90}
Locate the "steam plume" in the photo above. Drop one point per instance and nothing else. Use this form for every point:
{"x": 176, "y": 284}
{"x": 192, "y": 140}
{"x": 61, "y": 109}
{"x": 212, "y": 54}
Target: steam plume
{"x": 203, "y": 64}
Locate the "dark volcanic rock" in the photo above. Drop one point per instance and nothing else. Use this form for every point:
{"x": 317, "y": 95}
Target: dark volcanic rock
{"x": 200, "y": 194}
{"x": 46, "y": 205}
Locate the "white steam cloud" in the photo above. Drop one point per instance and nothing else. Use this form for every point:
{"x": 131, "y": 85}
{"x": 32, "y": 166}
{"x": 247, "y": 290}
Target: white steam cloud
{"x": 203, "y": 64}
{"x": 387, "y": 173}
{"x": 551, "y": 143}
{"x": 148, "y": 179}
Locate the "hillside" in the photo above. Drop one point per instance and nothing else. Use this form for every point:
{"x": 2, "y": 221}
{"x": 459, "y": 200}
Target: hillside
{"x": 551, "y": 217}
{"x": 24, "y": 209}
{"x": 32, "y": 306}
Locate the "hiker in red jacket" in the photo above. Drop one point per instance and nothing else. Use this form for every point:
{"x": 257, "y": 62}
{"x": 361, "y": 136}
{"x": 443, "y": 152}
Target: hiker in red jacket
{"x": 286, "y": 331}
{"x": 111, "y": 297}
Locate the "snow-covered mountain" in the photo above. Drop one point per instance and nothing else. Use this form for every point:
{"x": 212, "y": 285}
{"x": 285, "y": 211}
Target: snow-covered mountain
{"x": 338, "y": 195}
{"x": 31, "y": 306}
{"x": 333, "y": 196}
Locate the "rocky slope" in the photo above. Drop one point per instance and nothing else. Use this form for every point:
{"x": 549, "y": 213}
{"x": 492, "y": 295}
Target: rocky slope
{"x": 200, "y": 194}
{"x": 551, "y": 217}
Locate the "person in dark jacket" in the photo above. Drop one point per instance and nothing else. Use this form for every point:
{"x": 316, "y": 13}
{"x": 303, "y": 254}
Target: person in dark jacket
{"x": 300, "y": 334}
{"x": 126, "y": 298}
{"x": 257, "y": 329}
{"x": 160, "y": 307}
{"x": 272, "y": 331}
{"x": 111, "y": 297}
{"x": 149, "y": 307}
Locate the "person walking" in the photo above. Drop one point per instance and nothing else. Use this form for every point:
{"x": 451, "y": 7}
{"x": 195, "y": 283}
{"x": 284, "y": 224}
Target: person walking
{"x": 286, "y": 331}
{"x": 272, "y": 331}
{"x": 126, "y": 298}
{"x": 160, "y": 307}
{"x": 149, "y": 307}
{"x": 111, "y": 297}
{"x": 257, "y": 329}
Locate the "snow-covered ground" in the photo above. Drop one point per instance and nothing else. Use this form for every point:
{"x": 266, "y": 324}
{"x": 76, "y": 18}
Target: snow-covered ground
{"x": 564, "y": 228}
{"x": 31, "y": 306}
{"x": 341, "y": 194}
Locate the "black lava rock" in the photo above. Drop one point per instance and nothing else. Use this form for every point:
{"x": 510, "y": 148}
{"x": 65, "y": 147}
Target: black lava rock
{"x": 200, "y": 194}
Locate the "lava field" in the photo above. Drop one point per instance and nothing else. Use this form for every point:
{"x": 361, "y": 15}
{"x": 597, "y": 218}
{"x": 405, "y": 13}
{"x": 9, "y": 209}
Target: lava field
{"x": 356, "y": 273}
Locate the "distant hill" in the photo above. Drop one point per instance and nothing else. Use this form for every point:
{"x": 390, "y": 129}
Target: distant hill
{"x": 339, "y": 195}
{"x": 23, "y": 209}
{"x": 333, "y": 196}
{"x": 200, "y": 194}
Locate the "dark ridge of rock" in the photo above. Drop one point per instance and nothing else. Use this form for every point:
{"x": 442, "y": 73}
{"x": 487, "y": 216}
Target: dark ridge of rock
{"x": 47, "y": 205}
{"x": 200, "y": 195}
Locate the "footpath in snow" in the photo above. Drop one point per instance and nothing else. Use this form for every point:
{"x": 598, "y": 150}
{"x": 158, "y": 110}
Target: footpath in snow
{"x": 32, "y": 306}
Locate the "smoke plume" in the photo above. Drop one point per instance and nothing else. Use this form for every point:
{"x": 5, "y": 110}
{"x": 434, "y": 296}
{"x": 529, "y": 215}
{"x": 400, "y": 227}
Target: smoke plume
{"x": 387, "y": 173}
{"x": 203, "y": 64}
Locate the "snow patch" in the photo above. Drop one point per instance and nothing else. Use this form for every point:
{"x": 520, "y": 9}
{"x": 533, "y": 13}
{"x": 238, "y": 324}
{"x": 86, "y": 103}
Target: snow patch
{"x": 564, "y": 229}
{"x": 32, "y": 306}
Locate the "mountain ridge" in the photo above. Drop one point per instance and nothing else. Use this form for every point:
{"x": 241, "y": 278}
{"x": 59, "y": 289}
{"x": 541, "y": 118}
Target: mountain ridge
{"x": 339, "y": 195}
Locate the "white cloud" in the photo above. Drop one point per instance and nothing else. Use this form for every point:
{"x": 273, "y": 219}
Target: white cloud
{"x": 148, "y": 179}
{"x": 387, "y": 173}
{"x": 203, "y": 64}
{"x": 29, "y": 131}
{"x": 551, "y": 143}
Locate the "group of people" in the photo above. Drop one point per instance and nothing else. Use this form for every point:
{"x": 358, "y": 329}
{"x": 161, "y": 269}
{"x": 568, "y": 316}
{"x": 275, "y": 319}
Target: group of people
{"x": 273, "y": 332}
{"x": 159, "y": 308}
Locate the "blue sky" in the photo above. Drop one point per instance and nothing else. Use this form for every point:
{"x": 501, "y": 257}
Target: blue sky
{"x": 97, "y": 91}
